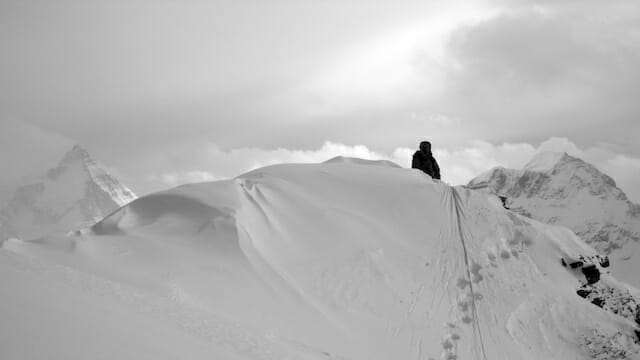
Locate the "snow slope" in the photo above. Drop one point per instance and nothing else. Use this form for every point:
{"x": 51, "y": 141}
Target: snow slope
{"x": 74, "y": 194}
{"x": 559, "y": 189}
{"x": 341, "y": 260}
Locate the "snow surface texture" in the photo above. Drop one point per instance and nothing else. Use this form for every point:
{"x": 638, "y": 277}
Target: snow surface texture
{"x": 75, "y": 194}
{"x": 559, "y": 189}
{"x": 339, "y": 260}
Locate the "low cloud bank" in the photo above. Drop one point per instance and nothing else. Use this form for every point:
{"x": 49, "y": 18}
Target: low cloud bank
{"x": 458, "y": 165}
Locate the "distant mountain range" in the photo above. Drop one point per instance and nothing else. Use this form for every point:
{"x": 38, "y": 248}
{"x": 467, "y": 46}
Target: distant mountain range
{"x": 74, "y": 194}
{"x": 559, "y": 189}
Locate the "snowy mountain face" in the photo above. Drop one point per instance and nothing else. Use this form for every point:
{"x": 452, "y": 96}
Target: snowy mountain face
{"x": 74, "y": 194}
{"x": 558, "y": 189}
{"x": 341, "y": 260}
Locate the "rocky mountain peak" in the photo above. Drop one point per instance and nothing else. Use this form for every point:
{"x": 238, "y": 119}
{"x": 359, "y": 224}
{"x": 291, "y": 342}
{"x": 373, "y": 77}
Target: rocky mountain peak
{"x": 77, "y": 153}
{"x": 560, "y": 189}
{"x": 76, "y": 157}
{"x": 75, "y": 193}
{"x": 547, "y": 160}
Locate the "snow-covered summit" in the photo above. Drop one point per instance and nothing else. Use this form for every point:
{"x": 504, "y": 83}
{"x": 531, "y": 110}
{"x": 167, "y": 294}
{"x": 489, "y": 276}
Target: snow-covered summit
{"x": 76, "y": 154}
{"x": 119, "y": 193}
{"x": 560, "y": 189}
{"x": 75, "y": 193}
{"x": 545, "y": 160}
{"x": 334, "y": 261}
{"x": 353, "y": 160}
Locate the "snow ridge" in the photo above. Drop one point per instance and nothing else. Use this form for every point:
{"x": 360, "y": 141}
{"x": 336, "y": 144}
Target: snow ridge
{"x": 343, "y": 261}
{"x": 314, "y": 262}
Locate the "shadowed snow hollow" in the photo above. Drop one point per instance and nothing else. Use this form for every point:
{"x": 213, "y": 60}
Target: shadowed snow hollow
{"x": 339, "y": 260}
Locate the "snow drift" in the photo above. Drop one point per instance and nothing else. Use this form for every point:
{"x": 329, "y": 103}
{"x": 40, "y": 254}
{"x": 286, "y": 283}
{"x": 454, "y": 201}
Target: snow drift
{"x": 341, "y": 260}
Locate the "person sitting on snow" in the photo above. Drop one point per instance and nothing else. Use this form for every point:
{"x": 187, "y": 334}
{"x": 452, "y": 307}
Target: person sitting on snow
{"x": 424, "y": 160}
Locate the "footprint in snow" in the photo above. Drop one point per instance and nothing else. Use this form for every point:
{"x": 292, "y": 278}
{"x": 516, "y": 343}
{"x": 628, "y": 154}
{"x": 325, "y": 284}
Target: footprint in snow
{"x": 447, "y": 345}
{"x": 491, "y": 256}
{"x": 448, "y": 348}
{"x": 476, "y": 277}
{"x": 463, "y": 305}
{"x": 462, "y": 283}
{"x": 467, "y": 319}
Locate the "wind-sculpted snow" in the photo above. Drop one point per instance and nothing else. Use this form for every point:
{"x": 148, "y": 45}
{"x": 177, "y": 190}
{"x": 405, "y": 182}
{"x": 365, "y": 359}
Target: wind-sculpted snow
{"x": 327, "y": 261}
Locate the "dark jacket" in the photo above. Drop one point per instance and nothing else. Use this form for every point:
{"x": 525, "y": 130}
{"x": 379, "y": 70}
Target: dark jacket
{"x": 427, "y": 163}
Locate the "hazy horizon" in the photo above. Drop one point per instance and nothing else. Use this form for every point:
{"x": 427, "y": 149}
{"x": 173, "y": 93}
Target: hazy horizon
{"x": 170, "y": 92}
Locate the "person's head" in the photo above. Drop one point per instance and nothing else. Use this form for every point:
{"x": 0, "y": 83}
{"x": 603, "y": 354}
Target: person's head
{"x": 425, "y": 147}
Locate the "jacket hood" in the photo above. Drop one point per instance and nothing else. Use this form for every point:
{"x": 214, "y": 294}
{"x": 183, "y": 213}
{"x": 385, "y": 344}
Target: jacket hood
{"x": 425, "y": 147}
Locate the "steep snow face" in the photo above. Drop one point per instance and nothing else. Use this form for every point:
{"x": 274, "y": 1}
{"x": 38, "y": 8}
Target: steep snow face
{"x": 76, "y": 193}
{"x": 559, "y": 189}
{"x": 328, "y": 261}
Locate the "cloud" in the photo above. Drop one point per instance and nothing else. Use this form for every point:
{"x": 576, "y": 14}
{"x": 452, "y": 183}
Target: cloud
{"x": 560, "y": 145}
{"x": 29, "y": 150}
{"x": 462, "y": 164}
{"x": 26, "y": 149}
{"x": 162, "y": 106}
{"x": 502, "y": 71}
{"x": 213, "y": 163}
{"x": 565, "y": 68}
{"x": 173, "y": 179}
{"x": 259, "y": 158}
{"x": 506, "y": 71}
{"x": 625, "y": 170}
{"x": 459, "y": 165}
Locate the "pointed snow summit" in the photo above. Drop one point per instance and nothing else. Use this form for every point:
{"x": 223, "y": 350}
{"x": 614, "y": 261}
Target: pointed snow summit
{"x": 559, "y": 189}
{"x": 74, "y": 194}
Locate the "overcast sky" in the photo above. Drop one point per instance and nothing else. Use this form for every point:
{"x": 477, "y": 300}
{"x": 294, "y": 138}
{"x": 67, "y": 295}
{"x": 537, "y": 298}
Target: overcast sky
{"x": 167, "y": 92}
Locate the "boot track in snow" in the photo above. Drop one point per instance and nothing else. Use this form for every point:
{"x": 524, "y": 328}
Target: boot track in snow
{"x": 457, "y": 213}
